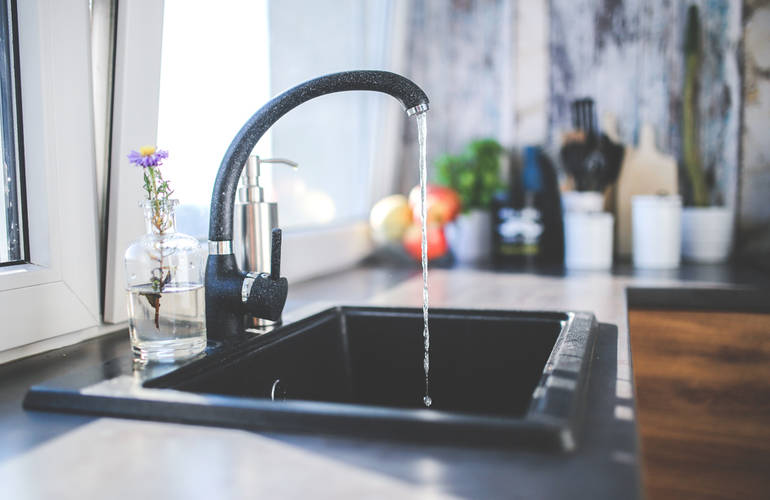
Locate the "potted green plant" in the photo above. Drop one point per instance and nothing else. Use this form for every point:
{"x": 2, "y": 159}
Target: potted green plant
{"x": 475, "y": 176}
{"x": 707, "y": 228}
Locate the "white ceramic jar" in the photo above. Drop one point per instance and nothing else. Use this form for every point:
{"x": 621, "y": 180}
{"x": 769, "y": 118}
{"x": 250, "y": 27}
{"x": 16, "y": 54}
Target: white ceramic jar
{"x": 588, "y": 231}
{"x": 582, "y": 201}
{"x": 588, "y": 240}
{"x": 656, "y": 231}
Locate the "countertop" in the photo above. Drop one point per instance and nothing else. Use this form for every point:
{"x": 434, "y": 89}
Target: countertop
{"x": 44, "y": 455}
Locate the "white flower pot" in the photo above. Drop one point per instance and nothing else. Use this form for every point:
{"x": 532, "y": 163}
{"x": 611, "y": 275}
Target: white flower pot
{"x": 470, "y": 236}
{"x": 707, "y": 234}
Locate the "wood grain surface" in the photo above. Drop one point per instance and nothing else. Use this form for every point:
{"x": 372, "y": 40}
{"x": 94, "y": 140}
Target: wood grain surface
{"x": 703, "y": 400}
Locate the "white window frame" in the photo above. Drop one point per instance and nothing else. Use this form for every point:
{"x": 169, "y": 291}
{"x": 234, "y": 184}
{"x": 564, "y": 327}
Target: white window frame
{"x": 57, "y": 292}
{"x": 139, "y": 38}
{"x": 134, "y": 123}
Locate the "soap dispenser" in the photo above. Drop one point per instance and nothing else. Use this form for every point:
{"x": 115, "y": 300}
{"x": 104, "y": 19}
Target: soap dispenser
{"x": 254, "y": 220}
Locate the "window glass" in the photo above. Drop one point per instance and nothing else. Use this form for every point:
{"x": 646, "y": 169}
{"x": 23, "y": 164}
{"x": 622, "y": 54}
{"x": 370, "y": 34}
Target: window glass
{"x": 333, "y": 137}
{"x": 11, "y": 220}
{"x": 214, "y": 76}
{"x": 219, "y": 66}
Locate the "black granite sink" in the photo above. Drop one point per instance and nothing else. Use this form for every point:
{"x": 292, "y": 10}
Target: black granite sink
{"x": 509, "y": 378}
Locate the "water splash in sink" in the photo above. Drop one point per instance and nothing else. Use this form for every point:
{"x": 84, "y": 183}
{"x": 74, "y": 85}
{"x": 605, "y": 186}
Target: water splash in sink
{"x": 422, "y": 136}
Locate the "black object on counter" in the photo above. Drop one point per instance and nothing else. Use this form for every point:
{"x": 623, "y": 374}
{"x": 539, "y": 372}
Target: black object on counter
{"x": 527, "y": 223}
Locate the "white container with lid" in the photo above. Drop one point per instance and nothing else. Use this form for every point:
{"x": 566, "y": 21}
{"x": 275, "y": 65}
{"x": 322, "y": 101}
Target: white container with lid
{"x": 656, "y": 231}
{"x": 588, "y": 240}
{"x": 582, "y": 201}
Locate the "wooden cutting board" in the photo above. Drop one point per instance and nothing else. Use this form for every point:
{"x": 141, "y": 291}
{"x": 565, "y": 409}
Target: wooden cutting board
{"x": 645, "y": 170}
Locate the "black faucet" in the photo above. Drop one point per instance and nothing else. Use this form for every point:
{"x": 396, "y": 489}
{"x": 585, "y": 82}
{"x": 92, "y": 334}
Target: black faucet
{"x": 231, "y": 293}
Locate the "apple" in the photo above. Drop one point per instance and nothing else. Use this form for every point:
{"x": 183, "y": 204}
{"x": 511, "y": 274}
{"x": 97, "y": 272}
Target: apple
{"x": 437, "y": 244}
{"x": 389, "y": 218}
{"x": 443, "y": 203}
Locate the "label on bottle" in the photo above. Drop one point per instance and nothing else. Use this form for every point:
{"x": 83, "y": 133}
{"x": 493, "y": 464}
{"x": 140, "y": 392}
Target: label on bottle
{"x": 519, "y": 231}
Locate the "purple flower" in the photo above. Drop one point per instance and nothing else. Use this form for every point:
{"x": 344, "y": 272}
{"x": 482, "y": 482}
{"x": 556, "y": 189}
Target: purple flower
{"x": 147, "y": 156}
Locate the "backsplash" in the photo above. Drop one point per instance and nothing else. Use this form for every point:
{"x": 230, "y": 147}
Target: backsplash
{"x": 460, "y": 50}
{"x": 475, "y": 57}
{"x": 629, "y": 56}
{"x": 753, "y": 205}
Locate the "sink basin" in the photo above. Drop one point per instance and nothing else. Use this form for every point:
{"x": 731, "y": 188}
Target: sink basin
{"x": 510, "y": 378}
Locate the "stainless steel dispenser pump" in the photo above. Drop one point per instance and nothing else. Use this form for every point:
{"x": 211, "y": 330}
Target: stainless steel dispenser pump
{"x": 255, "y": 219}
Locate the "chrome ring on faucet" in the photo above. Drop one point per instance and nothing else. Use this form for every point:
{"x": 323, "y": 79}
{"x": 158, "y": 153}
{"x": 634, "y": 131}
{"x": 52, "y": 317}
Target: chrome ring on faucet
{"x": 220, "y": 247}
{"x": 248, "y": 282}
{"x": 420, "y": 108}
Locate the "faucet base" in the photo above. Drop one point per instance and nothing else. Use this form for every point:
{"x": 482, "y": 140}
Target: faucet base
{"x": 225, "y": 305}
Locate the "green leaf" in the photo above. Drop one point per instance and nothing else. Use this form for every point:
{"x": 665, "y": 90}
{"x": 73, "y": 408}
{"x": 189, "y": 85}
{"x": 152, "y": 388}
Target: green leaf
{"x": 474, "y": 174}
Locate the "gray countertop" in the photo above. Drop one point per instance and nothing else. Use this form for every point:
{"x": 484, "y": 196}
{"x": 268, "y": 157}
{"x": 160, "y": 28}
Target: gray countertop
{"x": 44, "y": 455}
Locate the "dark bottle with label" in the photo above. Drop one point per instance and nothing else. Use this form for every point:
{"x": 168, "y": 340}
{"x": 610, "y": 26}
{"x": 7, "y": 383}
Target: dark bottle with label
{"x": 527, "y": 225}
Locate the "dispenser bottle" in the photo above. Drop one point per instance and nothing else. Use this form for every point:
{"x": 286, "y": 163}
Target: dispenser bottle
{"x": 254, "y": 220}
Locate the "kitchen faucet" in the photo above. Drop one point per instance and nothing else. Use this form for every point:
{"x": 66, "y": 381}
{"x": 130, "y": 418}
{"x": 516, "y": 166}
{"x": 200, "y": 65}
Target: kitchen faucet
{"x": 230, "y": 292}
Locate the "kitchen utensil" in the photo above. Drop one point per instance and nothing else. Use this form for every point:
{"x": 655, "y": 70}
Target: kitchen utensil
{"x": 593, "y": 159}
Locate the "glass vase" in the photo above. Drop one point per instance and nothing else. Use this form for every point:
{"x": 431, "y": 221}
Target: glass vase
{"x": 165, "y": 277}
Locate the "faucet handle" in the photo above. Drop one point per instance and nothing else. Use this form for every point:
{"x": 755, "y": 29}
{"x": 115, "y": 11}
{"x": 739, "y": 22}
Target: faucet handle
{"x": 275, "y": 254}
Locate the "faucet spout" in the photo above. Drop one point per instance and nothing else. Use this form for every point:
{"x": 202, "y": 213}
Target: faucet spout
{"x": 404, "y": 90}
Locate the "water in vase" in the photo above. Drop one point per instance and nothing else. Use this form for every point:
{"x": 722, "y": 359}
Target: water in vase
{"x": 169, "y": 325}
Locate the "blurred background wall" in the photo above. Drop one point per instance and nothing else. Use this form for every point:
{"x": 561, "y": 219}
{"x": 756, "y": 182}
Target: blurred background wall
{"x": 508, "y": 69}
{"x": 754, "y": 196}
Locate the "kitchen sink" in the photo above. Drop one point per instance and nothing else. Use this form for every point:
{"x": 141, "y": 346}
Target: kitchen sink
{"x": 502, "y": 377}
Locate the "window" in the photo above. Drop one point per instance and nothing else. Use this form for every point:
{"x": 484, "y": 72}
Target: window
{"x": 219, "y": 66}
{"x": 196, "y": 74}
{"x": 49, "y": 281}
{"x": 55, "y": 291}
{"x": 334, "y": 138}
{"x": 12, "y": 231}
{"x": 214, "y": 74}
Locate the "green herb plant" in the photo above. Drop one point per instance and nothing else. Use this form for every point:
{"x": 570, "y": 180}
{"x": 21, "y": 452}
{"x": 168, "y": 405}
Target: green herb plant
{"x": 474, "y": 174}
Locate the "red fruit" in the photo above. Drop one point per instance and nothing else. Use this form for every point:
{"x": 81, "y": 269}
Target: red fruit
{"x": 437, "y": 245}
{"x": 443, "y": 203}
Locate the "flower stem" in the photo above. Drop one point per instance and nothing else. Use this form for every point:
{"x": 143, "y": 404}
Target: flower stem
{"x": 158, "y": 194}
